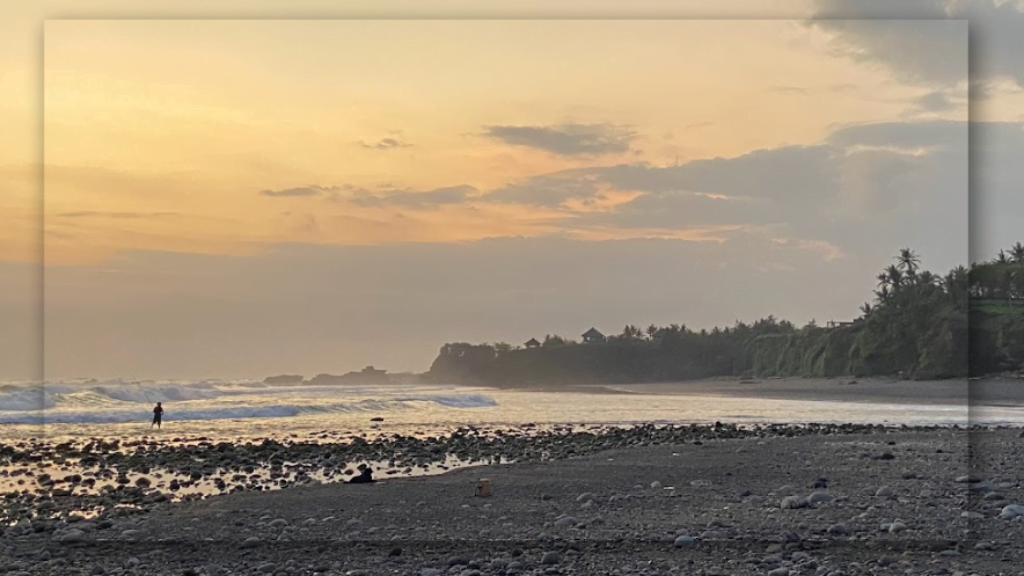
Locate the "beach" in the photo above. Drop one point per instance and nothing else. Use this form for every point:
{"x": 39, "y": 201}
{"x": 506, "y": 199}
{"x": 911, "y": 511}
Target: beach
{"x": 953, "y": 392}
{"x": 692, "y": 502}
{"x": 775, "y": 494}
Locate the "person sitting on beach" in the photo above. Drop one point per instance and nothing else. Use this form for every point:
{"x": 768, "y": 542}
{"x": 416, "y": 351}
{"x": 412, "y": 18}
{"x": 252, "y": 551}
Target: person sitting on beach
{"x": 158, "y": 415}
{"x": 365, "y": 477}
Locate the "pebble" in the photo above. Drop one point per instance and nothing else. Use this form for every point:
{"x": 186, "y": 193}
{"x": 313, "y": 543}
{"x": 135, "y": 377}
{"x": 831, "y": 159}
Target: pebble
{"x": 551, "y": 558}
{"x": 458, "y": 560}
{"x": 684, "y": 541}
{"x": 820, "y": 497}
{"x": 932, "y": 515}
{"x": 839, "y": 529}
{"x": 793, "y": 503}
{"x": 73, "y": 536}
{"x": 1011, "y": 511}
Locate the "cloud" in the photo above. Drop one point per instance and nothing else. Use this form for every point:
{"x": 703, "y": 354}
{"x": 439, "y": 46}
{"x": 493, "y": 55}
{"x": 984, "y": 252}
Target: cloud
{"x": 997, "y": 39}
{"x": 935, "y": 102}
{"x": 865, "y": 189}
{"x": 842, "y": 88}
{"x": 566, "y": 139}
{"x": 385, "y": 144}
{"x": 698, "y": 125}
{"x": 682, "y": 210}
{"x": 296, "y": 192}
{"x": 791, "y": 174}
{"x": 549, "y": 190}
{"x": 997, "y": 174}
{"x": 907, "y": 135}
{"x": 796, "y": 90}
{"x": 875, "y": 180}
{"x": 413, "y": 199}
{"x": 118, "y": 215}
{"x": 934, "y": 49}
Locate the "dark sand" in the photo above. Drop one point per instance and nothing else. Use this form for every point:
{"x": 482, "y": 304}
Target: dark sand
{"x": 728, "y": 496}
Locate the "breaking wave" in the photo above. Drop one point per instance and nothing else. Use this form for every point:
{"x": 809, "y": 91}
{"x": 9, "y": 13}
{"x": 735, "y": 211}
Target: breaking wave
{"x": 119, "y": 401}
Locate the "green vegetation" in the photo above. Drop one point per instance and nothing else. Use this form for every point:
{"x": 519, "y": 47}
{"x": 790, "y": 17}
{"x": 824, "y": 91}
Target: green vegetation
{"x": 916, "y": 327}
{"x": 997, "y": 313}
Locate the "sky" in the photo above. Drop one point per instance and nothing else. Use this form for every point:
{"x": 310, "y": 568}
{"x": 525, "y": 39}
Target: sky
{"x": 190, "y": 192}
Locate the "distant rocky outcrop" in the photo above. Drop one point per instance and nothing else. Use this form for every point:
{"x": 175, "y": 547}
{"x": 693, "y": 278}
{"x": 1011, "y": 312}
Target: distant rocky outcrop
{"x": 283, "y": 379}
{"x": 368, "y": 375}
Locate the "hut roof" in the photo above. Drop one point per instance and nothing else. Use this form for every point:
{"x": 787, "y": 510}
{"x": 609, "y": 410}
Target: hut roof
{"x": 532, "y": 342}
{"x": 593, "y": 333}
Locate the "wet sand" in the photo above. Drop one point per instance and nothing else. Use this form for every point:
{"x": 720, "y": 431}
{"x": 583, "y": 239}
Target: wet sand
{"x": 993, "y": 392}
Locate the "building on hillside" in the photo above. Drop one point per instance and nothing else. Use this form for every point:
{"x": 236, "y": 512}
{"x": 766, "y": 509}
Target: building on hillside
{"x": 834, "y": 324}
{"x": 593, "y": 335}
{"x": 531, "y": 343}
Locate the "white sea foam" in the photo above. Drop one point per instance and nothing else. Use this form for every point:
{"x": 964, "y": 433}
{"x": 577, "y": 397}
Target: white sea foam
{"x": 125, "y": 401}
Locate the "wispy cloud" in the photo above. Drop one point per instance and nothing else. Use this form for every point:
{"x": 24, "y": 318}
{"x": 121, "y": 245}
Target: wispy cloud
{"x": 698, "y": 125}
{"x": 842, "y": 88}
{"x": 795, "y": 90}
{"x": 414, "y": 199}
{"x": 118, "y": 215}
{"x": 566, "y": 139}
{"x": 385, "y": 144}
{"x": 312, "y": 190}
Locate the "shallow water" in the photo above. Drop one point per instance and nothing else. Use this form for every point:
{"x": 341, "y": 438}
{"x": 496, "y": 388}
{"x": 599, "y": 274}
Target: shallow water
{"x": 243, "y": 410}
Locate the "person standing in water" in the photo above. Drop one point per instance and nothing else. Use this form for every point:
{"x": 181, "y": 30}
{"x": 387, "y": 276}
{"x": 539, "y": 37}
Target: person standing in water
{"x": 158, "y": 415}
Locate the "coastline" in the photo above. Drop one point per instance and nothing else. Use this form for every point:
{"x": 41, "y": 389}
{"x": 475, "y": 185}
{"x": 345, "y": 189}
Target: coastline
{"x": 996, "y": 391}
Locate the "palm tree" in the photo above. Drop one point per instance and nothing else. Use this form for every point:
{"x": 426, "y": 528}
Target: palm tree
{"x": 883, "y": 279}
{"x": 883, "y": 294}
{"x": 908, "y": 262}
{"x": 895, "y": 275}
{"x": 866, "y": 308}
{"x": 956, "y": 285}
{"x": 631, "y": 332}
{"x": 1017, "y": 253}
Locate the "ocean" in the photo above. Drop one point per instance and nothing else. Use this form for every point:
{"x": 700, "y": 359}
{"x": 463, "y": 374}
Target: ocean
{"x": 247, "y": 409}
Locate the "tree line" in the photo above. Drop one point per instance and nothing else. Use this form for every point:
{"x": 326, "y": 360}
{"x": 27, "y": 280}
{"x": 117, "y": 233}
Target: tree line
{"x": 997, "y": 313}
{"x": 918, "y": 325}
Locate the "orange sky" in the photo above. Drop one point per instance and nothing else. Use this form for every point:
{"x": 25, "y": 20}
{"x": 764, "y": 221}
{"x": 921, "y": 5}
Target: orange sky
{"x": 439, "y": 180}
{"x": 160, "y": 134}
